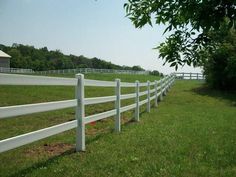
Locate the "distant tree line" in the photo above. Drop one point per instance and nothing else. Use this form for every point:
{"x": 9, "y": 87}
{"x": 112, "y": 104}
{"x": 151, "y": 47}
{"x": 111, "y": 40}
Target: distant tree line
{"x": 25, "y": 56}
{"x": 156, "y": 73}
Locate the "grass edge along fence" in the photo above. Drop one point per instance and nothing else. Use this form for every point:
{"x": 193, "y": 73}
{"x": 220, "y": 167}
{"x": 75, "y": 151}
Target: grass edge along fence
{"x": 160, "y": 89}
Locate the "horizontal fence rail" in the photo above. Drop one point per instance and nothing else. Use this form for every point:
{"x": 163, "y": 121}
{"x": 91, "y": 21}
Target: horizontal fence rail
{"x": 92, "y": 70}
{"x": 160, "y": 89}
{"x": 190, "y": 76}
{"x": 71, "y": 71}
{"x": 15, "y": 70}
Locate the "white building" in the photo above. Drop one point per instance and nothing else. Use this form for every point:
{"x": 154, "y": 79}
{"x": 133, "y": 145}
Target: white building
{"x": 4, "y": 60}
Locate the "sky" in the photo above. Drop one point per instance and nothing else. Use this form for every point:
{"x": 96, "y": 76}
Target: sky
{"x": 93, "y": 28}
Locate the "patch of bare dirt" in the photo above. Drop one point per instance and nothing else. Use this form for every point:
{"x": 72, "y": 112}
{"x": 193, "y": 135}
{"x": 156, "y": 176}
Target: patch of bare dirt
{"x": 51, "y": 149}
{"x": 97, "y": 130}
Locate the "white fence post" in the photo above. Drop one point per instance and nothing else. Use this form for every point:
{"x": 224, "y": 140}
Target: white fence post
{"x": 168, "y": 83}
{"x": 148, "y": 96}
{"x": 156, "y": 98}
{"x": 137, "y": 102}
{"x": 164, "y": 86}
{"x": 80, "y": 131}
{"x": 161, "y": 87}
{"x": 117, "y": 105}
{"x": 173, "y": 79}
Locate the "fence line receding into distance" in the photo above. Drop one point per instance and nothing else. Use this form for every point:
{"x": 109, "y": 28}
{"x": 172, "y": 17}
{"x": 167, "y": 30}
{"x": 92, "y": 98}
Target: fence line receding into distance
{"x": 159, "y": 89}
{"x": 92, "y": 70}
{"x": 15, "y": 70}
{"x": 71, "y": 71}
{"x": 190, "y": 76}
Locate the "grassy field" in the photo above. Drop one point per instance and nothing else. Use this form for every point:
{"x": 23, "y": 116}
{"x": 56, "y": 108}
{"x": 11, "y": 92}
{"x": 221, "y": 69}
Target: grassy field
{"x": 191, "y": 133}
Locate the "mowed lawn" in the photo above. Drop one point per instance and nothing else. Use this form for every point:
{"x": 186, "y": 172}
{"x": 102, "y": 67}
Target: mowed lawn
{"x": 191, "y": 133}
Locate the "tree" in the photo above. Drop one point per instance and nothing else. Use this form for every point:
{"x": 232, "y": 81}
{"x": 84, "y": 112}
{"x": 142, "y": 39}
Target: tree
{"x": 155, "y": 73}
{"x": 219, "y": 59}
{"x": 189, "y": 22}
{"x": 15, "y": 58}
{"x": 25, "y": 56}
{"x": 137, "y": 68}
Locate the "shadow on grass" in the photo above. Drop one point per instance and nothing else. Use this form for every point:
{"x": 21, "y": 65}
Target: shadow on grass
{"x": 218, "y": 94}
{"x": 53, "y": 159}
{"x": 132, "y": 119}
{"x": 27, "y": 170}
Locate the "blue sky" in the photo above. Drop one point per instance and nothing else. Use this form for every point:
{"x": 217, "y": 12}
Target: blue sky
{"x": 83, "y": 27}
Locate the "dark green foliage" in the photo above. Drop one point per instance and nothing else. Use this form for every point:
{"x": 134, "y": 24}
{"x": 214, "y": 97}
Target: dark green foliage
{"x": 24, "y": 56}
{"x": 137, "y": 68}
{"x": 200, "y": 34}
{"x": 188, "y": 21}
{"x": 156, "y": 73}
{"x": 220, "y": 66}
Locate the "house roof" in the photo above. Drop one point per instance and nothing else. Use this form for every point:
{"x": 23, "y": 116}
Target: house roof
{"x": 4, "y": 55}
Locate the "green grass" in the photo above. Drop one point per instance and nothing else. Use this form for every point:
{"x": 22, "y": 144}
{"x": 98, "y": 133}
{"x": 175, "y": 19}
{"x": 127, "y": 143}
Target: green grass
{"x": 191, "y": 133}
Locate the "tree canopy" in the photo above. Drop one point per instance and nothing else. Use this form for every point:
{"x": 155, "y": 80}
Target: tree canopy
{"x": 219, "y": 59}
{"x": 188, "y": 21}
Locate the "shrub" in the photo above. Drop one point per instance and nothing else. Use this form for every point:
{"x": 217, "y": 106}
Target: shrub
{"x": 220, "y": 66}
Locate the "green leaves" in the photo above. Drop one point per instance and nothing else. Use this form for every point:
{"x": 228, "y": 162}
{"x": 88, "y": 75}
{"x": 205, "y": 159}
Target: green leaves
{"x": 189, "y": 20}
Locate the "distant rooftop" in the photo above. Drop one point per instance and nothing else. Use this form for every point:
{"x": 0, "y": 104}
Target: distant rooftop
{"x": 3, "y": 54}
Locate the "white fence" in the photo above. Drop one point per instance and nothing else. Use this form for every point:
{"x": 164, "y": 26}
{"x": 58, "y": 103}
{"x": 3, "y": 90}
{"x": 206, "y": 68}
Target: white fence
{"x": 15, "y": 70}
{"x": 71, "y": 71}
{"x": 160, "y": 88}
{"x": 191, "y": 76}
{"x": 92, "y": 70}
